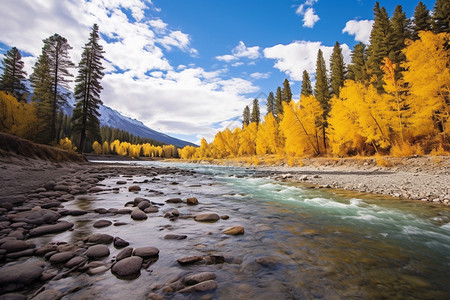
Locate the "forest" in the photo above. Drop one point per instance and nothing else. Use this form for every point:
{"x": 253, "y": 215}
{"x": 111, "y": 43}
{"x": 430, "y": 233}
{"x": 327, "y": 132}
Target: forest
{"x": 392, "y": 99}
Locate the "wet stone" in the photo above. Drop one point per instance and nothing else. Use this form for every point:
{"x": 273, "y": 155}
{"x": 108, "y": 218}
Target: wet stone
{"x": 98, "y": 270}
{"x": 127, "y": 266}
{"x": 191, "y": 201}
{"x": 58, "y": 258}
{"x": 174, "y": 200}
{"x": 138, "y": 214}
{"x": 145, "y": 252}
{"x": 134, "y": 188}
{"x": 126, "y": 252}
{"x": 120, "y": 243}
{"x": 175, "y": 237}
{"x": 235, "y": 230}
{"x": 209, "y": 285}
{"x": 151, "y": 209}
{"x": 97, "y": 251}
{"x": 21, "y": 273}
{"x": 48, "y": 295}
{"x": 102, "y": 223}
{"x": 56, "y": 228}
{"x": 75, "y": 261}
{"x": 211, "y": 217}
{"x": 189, "y": 260}
{"x": 197, "y": 278}
{"x": 100, "y": 238}
{"x": 14, "y": 246}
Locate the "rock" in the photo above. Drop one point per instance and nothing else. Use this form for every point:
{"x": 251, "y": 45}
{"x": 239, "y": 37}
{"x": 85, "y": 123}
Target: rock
{"x": 98, "y": 270}
{"x": 121, "y": 182}
{"x": 145, "y": 252}
{"x": 27, "y": 252}
{"x": 207, "y": 217}
{"x": 48, "y": 295}
{"x": 13, "y": 296}
{"x": 197, "y": 278}
{"x": 124, "y": 211}
{"x": 143, "y": 205}
{"x": 235, "y": 230}
{"x": 214, "y": 259}
{"x": 61, "y": 257}
{"x": 191, "y": 201}
{"x": 97, "y": 251}
{"x": 126, "y": 252}
{"x": 174, "y": 200}
{"x": 75, "y": 261}
{"x": 200, "y": 287}
{"x": 46, "y": 248}
{"x": 23, "y": 273}
{"x": 36, "y": 216}
{"x": 14, "y": 246}
{"x": 120, "y": 243}
{"x": 134, "y": 188}
{"x": 138, "y": 214}
{"x": 101, "y": 211}
{"x": 175, "y": 237}
{"x": 268, "y": 261}
{"x": 102, "y": 223}
{"x": 127, "y": 266}
{"x": 225, "y": 217}
{"x": 46, "y": 229}
{"x": 100, "y": 238}
{"x": 153, "y": 296}
{"x": 96, "y": 189}
{"x": 189, "y": 260}
{"x": 151, "y": 209}
{"x": 120, "y": 223}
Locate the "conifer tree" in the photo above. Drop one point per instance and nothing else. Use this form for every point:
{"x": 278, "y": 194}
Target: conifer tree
{"x": 422, "y": 20}
{"x": 255, "y": 117}
{"x": 306, "y": 85}
{"x": 271, "y": 104}
{"x": 87, "y": 90}
{"x": 357, "y": 69}
{"x": 246, "y": 117}
{"x": 337, "y": 68}
{"x": 379, "y": 44}
{"x": 322, "y": 90}
{"x": 399, "y": 33}
{"x": 41, "y": 81}
{"x": 278, "y": 104}
{"x": 441, "y": 16}
{"x": 13, "y": 74}
{"x": 57, "y": 49}
{"x": 286, "y": 94}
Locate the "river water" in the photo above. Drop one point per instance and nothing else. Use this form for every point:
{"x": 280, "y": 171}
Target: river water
{"x": 299, "y": 242}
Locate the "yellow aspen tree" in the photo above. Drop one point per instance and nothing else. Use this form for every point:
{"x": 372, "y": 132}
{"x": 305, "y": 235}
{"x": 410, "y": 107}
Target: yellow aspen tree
{"x": 97, "y": 147}
{"x": 247, "y": 140}
{"x": 269, "y": 139}
{"x": 105, "y": 147}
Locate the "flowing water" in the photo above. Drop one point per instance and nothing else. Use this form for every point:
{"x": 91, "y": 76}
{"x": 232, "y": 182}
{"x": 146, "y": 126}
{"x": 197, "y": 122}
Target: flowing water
{"x": 299, "y": 243}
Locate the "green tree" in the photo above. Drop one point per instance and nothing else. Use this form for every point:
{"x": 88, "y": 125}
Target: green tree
{"x": 57, "y": 49}
{"x": 256, "y": 115}
{"x": 337, "y": 68}
{"x": 13, "y": 74}
{"x": 379, "y": 45}
{"x": 357, "y": 68}
{"x": 422, "y": 20}
{"x": 306, "y": 85}
{"x": 271, "y": 104}
{"x": 286, "y": 94}
{"x": 322, "y": 91}
{"x": 278, "y": 104}
{"x": 399, "y": 33}
{"x": 441, "y": 16}
{"x": 246, "y": 117}
{"x": 41, "y": 82}
{"x": 88, "y": 89}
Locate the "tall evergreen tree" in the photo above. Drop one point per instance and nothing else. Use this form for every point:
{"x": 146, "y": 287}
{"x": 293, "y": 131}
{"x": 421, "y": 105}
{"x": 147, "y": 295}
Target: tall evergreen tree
{"x": 422, "y": 20}
{"x": 441, "y": 16}
{"x": 357, "y": 69}
{"x": 87, "y": 91}
{"x": 246, "y": 117}
{"x": 256, "y": 114}
{"x": 306, "y": 85}
{"x": 278, "y": 104}
{"x": 57, "y": 49}
{"x": 286, "y": 94}
{"x": 322, "y": 91}
{"x": 379, "y": 44}
{"x": 399, "y": 33}
{"x": 13, "y": 74}
{"x": 271, "y": 104}
{"x": 337, "y": 68}
{"x": 41, "y": 81}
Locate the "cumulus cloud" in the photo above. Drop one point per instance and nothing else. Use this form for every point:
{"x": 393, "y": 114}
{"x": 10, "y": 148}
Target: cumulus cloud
{"x": 258, "y": 75}
{"x": 240, "y": 51}
{"x": 360, "y": 29}
{"x": 298, "y": 56}
{"x": 310, "y": 18}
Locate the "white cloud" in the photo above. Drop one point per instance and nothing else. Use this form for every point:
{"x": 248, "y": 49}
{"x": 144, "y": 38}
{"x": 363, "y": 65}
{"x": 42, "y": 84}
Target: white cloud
{"x": 310, "y": 18}
{"x": 298, "y": 56}
{"x": 360, "y": 29}
{"x": 258, "y": 75}
{"x": 240, "y": 51}
{"x": 237, "y": 64}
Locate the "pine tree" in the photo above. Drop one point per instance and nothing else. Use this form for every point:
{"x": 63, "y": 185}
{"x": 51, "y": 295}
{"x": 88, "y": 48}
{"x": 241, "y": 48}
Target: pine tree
{"x": 246, "y": 117}
{"x": 322, "y": 91}
{"x": 306, "y": 85}
{"x": 278, "y": 107}
{"x": 57, "y": 49}
{"x": 357, "y": 69}
{"x": 286, "y": 94}
{"x": 13, "y": 74}
{"x": 256, "y": 115}
{"x": 397, "y": 37}
{"x": 271, "y": 104}
{"x": 379, "y": 44}
{"x": 422, "y": 20}
{"x": 441, "y": 16}
{"x": 41, "y": 81}
{"x": 337, "y": 68}
{"x": 87, "y": 90}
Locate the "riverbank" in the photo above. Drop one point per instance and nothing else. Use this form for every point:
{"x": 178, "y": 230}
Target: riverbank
{"x": 423, "y": 178}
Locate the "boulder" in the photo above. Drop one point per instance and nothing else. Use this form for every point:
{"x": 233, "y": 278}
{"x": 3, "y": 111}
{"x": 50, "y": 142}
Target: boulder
{"x": 126, "y": 252}
{"x": 191, "y": 201}
{"x": 235, "y": 230}
{"x": 197, "y": 278}
{"x": 102, "y": 223}
{"x": 100, "y": 238}
{"x": 210, "y": 217}
{"x": 46, "y": 229}
{"x": 97, "y": 251}
{"x": 23, "y": 273}
{"x": 205, "y": 286}
{"x": 145, "y": 252}
{"x": 127, "y": 266}
{"x": 138, "y": 214}
{"x": 143, "y": 204}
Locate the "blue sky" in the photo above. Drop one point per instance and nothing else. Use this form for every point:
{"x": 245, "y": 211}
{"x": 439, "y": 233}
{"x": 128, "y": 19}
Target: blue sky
{"x": 188, "y": 68}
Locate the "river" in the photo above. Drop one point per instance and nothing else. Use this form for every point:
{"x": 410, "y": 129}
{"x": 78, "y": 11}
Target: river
{"x": 299, "y": 242}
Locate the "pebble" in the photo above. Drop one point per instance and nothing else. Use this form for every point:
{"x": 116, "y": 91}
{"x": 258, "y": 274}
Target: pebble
{"x": 97, "y": 251}
{"x": 235, "y": 230}
{"x": 191, "y": 201}
{"x": 145, "y": 252}
{"x": 151, "y": 209}
{"x": 61, "y": 257}
{"x": 102, "y": 223}
{"x": 175, "y": 237}
{"x": 100, "y": 238}
{"x": 127, "y": 266}
{"x": 211, "y": 217}
{"x": 189, "y": 260}
{"x": 134, "y": 188}
{"x": 124, "y": 253}
{"x": 174, "y": 200}
{"x": 98, "y": 270}
{"x": 138, "y": 214}
{"x": 120, "y": 243}
{"x": 75, "y": 261}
